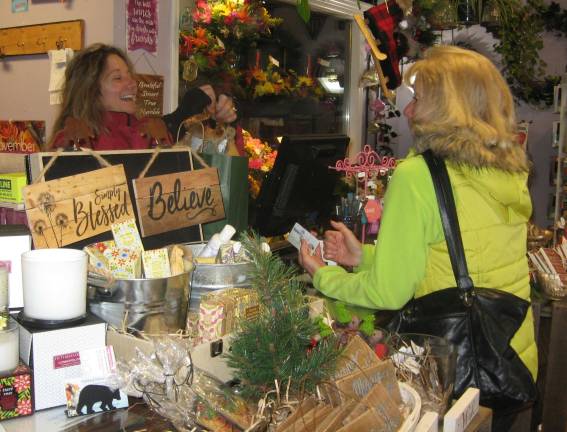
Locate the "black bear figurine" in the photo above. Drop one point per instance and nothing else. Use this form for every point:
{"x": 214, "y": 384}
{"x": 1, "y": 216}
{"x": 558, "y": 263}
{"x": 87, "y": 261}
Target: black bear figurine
{"x": 92, "y": 394}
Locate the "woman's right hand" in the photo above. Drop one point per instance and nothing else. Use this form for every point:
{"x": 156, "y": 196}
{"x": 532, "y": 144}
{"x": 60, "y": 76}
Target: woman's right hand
{"x": 342, "y": 246}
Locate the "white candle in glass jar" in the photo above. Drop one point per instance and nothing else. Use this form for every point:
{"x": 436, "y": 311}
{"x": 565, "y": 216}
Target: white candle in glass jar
{"x": 4, "y": 292}
{"x": 54, "y": 283}
{"x": 9, "y": 348}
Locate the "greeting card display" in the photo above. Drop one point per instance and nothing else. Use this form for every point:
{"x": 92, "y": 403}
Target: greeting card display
{"x": 96, "y": 389}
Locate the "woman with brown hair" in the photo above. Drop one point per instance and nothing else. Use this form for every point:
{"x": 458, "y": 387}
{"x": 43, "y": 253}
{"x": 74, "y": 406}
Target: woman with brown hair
{"x": 100, "y": 91}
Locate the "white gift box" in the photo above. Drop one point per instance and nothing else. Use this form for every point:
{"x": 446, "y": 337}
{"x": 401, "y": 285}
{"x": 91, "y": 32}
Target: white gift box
{"x": 54, "y": 356}
{"x": 14, "y": 241}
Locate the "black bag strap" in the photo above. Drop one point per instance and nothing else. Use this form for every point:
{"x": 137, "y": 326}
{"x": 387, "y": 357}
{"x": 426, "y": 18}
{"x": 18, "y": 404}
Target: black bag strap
{"x": 450, "y": 222}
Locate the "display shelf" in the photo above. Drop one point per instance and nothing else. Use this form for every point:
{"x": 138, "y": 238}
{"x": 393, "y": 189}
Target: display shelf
{"x": 13, "y": 206}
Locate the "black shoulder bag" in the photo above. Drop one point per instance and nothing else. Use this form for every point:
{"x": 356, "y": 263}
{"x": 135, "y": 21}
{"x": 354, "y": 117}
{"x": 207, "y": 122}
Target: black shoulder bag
{"x": 480, "y": 322}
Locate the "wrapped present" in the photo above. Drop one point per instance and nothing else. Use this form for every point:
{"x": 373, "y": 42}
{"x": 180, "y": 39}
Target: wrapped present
{"x": 16, "y": 394}
{"x": 156, "y": 263}
{"x": 95, "y": 252}
{"x": 232, "y": 253}
{"x": 225, "y": 254}
{"x": 126, "y": 235}
{"x": 238, "y": 303}
{"x": 123, "y": 263}
{"x": 211, "y": 317}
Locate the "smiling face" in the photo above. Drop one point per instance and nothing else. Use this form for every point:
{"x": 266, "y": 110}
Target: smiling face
{"x": 117, "y": 87}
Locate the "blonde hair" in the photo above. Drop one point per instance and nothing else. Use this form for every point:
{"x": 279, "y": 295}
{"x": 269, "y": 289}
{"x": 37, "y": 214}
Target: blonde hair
{"x": 464, "y": 110}
{"x": 81, "y": 91}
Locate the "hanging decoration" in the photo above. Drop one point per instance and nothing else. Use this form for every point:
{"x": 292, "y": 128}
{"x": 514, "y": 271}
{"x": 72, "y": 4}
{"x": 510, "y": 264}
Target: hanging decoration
{"x": 217, "y": 44}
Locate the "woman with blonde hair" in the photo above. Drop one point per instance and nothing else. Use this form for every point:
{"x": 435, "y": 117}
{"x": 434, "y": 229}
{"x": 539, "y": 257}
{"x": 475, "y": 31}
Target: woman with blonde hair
{"x": 463, "y": 111}
{"x": 100, "y": 92}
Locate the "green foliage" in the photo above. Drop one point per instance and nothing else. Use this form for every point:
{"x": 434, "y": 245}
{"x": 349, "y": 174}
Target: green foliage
{"x": 521, "y": 40}
{"x": 554, "y": 18}
{"x": 303, "y": 10}
{"x": 278, "y": 345}
{"x": 367, "y": 325}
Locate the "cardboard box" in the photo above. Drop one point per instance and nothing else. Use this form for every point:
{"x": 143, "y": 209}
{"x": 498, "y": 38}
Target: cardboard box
{"x": 11, "y": 185}
{"x": 54, "y": 356}
{"x": 14, "y": 241}
{"x": 16, "y": 393}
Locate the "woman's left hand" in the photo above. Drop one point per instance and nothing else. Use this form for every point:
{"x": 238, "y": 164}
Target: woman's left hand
{"x": 225, "y": 111}
{"x": 310, "y": 262}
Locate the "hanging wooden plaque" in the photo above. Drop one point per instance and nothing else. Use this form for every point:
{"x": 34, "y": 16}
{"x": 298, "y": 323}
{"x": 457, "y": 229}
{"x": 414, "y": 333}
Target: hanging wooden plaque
{"x": 69, "y": 209}
{"x": 172, "y": 201}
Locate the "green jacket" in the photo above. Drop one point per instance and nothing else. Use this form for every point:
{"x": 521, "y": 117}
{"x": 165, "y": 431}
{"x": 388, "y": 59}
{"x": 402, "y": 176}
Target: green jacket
{"x": 411, "y": 259}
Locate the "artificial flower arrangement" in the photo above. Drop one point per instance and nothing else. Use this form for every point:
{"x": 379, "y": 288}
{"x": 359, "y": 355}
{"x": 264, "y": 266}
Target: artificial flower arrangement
{"x": 225, "y": 29}
{"x": 261, "y": 158}
{"x": 222, "y": 29}
{"x": 273, "y": 81}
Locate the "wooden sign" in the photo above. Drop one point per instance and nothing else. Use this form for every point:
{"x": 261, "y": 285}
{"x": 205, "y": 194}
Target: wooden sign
{"x": 178, "y": 200}
{"x": 462, "y": 412}
{"x": 149, "y": 97}
{"x": 69, "y": 209}
{"x": 358, "y": 384}
{"x": 356, "y": 357}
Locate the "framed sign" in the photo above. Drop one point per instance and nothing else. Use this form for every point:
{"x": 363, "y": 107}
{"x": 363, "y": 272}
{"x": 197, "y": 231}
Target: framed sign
{"x": 69, "y": 209}
{"x": 150, "y": 95}
{"x": 179, "y": 200}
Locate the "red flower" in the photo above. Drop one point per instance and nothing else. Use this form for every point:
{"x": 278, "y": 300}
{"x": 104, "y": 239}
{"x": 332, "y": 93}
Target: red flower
{"x": 255, "y": 164}
{"x": 24, "y": 407}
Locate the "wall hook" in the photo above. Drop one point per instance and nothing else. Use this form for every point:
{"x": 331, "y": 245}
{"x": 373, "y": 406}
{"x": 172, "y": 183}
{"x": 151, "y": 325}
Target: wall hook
{"x": 60, "y": 43}
{"x": 20, "y": 44}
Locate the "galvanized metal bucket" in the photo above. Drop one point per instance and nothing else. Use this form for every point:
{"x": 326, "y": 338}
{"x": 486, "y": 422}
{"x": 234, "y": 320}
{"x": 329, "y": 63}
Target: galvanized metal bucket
{"x": 151, "y": 305}
{"x": 212, "y": 277}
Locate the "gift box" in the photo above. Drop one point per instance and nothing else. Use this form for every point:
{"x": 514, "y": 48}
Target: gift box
{"x": 53, "y": 354}
{"x": 16, "y": 393}
{"x": 14, "y": 241}
{"x": 11, "y": 185}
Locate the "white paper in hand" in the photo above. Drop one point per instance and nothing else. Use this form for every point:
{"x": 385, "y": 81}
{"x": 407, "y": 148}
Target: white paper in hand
{"x": 298, "y": 233}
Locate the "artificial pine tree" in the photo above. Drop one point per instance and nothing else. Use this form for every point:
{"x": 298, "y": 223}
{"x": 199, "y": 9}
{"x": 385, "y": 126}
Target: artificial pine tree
{"x": 281, "y": 343}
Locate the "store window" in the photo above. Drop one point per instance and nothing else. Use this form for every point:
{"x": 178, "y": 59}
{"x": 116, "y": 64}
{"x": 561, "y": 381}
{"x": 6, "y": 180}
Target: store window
{"x": 316, "y": 51}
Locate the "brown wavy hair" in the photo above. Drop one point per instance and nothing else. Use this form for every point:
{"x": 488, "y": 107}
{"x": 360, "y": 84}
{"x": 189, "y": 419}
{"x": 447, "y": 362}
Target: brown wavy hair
{"x": 81, "y": 91}
{"x": 464, "y": 110}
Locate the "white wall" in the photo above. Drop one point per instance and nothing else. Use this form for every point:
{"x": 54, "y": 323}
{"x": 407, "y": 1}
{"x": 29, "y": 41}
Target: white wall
{"x": 24, "y": 80}
{"x": 554, "y": 53}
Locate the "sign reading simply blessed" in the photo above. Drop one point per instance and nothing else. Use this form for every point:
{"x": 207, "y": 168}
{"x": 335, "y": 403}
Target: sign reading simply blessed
{"x": 172, "y": 201}
{"x": 69, "y": 209}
